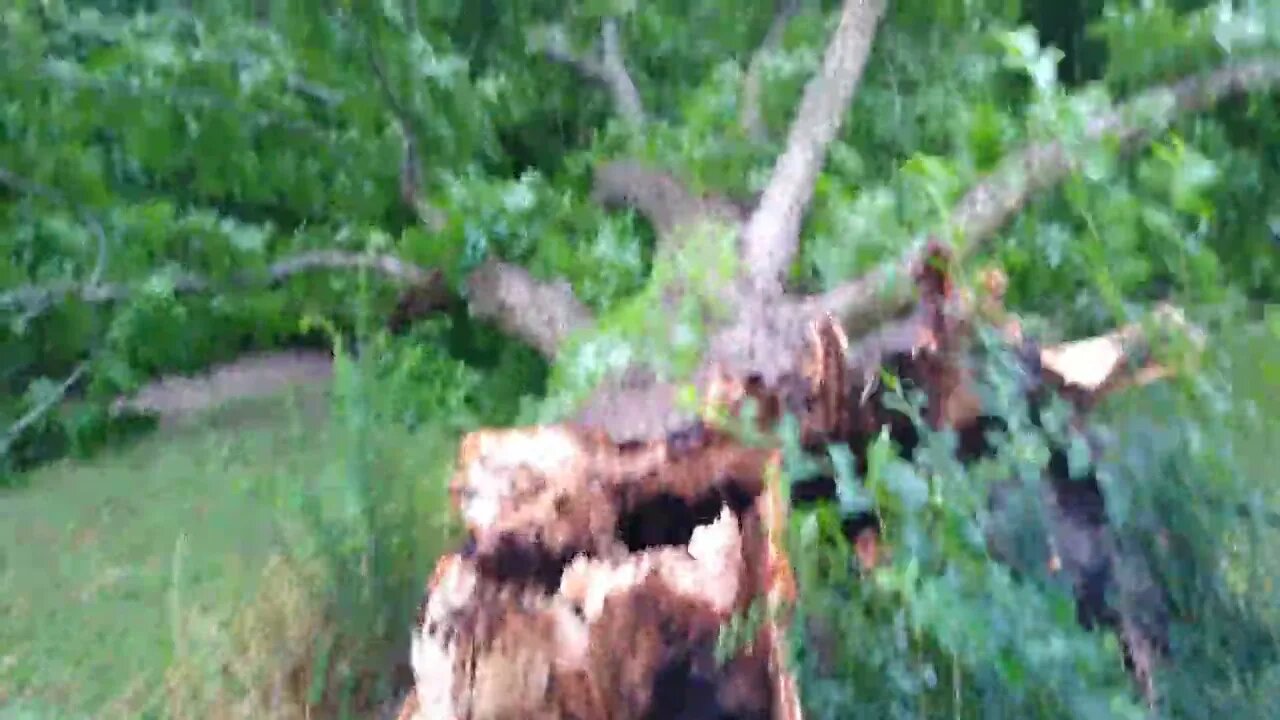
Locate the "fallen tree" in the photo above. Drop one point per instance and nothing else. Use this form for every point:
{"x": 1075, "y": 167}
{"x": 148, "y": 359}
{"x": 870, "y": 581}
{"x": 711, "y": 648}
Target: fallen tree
{"x": 606, "y": 554}
{"x": 598, "y": 573}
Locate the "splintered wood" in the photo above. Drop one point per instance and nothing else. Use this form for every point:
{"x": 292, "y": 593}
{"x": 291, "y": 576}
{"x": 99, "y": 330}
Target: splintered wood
{"x": 597, "y": 582}
{"x": 598, "y": 574}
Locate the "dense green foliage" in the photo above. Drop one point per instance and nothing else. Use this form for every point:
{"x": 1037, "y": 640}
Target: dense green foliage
{"x": 946, "y": 632}
{"x": 211, "y": 141}
{"x": 147, "y": 143}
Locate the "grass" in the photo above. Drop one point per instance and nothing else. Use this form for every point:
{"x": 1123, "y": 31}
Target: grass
{"x": 96, "y": 556}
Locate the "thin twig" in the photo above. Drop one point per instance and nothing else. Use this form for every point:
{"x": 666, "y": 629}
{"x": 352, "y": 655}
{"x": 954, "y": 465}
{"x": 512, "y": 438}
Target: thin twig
{"x": 609, "y": 69}
{"x": 34, "y": 415}
{"x": 36, "y": 299}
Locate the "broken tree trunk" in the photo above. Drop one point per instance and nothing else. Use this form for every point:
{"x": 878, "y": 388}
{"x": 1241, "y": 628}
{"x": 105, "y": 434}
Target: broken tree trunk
{"x": 606, "y": 554}
{"x": 599, "y": 572}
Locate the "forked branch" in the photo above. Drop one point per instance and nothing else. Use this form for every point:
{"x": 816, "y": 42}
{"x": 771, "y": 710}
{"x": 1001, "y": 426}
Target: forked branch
{"x": 773, "y": 233}
{"x": 994, "y": 201}
{"x": 609, "y": 68}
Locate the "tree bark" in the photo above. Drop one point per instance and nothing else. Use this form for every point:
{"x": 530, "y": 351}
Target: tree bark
{"x": 613, "y": 70}
{"x": 662, "y": 199}
{"x": 772, "y": 235}
{"x": 599, "y": 574}
{"x": 540, "y": 313}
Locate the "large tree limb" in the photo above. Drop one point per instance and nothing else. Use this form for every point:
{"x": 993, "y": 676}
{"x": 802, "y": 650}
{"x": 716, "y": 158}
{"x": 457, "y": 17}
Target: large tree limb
{"x": 772, "y": 235}
{"x": 661, "y": 198}
{"x": 543, "y": 314}
{"x": 538, "y": 313}
{"x": 609, "y": 68}
{"x": 750, "y": 115}
{"x": 994, "y": 201}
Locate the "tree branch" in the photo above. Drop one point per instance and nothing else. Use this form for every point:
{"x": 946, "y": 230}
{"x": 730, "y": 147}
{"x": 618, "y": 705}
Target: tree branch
{"x": 542, "y": 314}
{"x": 750, "y": 116}
{"x": 37, "y": 299}
{"x": 609, "y": 69}
{"x": 411, "y": 162}
{"x": 980, "y": 214}
{"x": 773, "y": 233}
{"x": 32, "y": 416}
{"x": 40, "y": 409}
{"x": 614, "y": 73}
{"x": 23, "y": 185}
{"x": 661, "y": 198}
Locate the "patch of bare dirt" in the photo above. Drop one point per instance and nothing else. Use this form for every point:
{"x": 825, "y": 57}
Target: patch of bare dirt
{"x": 177, "y": 397}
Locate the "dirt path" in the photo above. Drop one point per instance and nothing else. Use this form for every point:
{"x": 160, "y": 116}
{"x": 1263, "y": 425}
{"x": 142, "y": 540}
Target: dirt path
{"x": 257, "y": 375}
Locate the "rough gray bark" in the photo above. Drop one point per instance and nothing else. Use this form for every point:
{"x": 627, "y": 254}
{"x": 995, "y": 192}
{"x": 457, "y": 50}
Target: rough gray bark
{"x": 662, "y": 199}
{"x": 540, "y": 313}
{"x": 772, "y": 235}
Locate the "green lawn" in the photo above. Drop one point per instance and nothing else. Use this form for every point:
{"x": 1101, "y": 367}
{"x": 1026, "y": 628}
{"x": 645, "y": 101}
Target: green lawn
{"x": 88, "y": 550}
